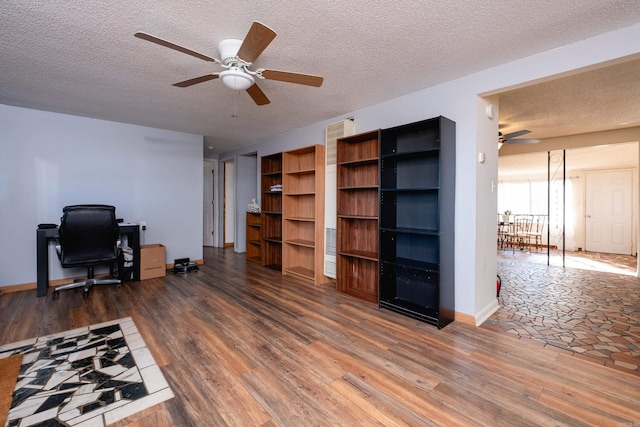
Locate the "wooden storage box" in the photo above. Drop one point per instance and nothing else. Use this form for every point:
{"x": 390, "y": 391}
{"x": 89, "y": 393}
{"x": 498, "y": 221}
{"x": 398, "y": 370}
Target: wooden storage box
{"x": 152, "y": 261}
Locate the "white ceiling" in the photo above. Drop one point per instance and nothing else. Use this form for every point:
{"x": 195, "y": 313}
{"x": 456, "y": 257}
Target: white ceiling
{"x": 82, "y": 58}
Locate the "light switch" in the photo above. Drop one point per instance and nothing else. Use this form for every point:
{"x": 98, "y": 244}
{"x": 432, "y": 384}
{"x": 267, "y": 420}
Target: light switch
{"x": 481, "y": 157}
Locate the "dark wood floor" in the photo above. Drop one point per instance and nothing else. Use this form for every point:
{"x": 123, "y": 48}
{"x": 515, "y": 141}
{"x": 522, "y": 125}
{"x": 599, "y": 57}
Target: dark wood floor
{"x": 243, "y": 345}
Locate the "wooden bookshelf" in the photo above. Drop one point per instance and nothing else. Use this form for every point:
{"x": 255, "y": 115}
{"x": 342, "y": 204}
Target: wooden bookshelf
{"x": 271, "y": 216}
{"x": 357, "y": 215}
{"x": 253, "y": 236}
{"x": 303, "y": 213}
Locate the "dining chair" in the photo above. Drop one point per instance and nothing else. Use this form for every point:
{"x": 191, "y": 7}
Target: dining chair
{"x": 518, "y": 231}
{"x": 535, "y": 232}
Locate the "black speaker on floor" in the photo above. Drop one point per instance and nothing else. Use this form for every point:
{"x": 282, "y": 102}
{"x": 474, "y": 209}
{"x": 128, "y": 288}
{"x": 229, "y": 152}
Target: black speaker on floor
{"x": 184, "y": 265}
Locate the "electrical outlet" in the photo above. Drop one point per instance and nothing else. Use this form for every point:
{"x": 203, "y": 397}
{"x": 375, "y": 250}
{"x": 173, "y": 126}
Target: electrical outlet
{"x": 143, "y": 224}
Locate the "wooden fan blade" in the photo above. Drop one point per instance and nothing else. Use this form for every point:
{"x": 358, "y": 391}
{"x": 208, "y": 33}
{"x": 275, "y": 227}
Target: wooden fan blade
{"x": 258, "y": 95}
{"x": 515, "y": 134}
{"x": 255, "y": 42}
{"x": 156, "y": 40}
{"x": 196, "y": 80}
{"x": 285, "y": 76}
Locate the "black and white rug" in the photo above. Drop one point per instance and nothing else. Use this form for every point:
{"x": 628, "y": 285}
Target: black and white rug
{"x": 86, "y": 377}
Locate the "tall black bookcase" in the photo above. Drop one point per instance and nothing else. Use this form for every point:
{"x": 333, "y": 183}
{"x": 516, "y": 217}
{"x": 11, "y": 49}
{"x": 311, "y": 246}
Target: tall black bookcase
{"x": 416, "y": 220}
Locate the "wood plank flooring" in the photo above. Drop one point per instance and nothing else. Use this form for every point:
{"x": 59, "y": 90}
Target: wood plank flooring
{"x": 243, "y": 345}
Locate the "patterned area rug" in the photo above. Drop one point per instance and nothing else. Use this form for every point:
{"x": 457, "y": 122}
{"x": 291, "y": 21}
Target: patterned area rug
{"x": 91, "y": 376}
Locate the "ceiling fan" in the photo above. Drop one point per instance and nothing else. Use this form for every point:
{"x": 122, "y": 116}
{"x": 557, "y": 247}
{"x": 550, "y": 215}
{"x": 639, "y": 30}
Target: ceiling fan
{"x": 237, "y": 56}
{"x": 512, "y": 138}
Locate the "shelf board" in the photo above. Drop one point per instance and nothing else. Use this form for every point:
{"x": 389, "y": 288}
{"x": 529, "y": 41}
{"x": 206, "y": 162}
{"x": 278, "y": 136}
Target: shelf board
{"x": 272, "y": 239}
{"x": 359, "y": 187}
{"x": 295, "y": 218}
{"x": 302, "y": 172}
{"x": 254, "y": 259}
{"x": 272, "y": 173}
{"x": 409, "y": 190}
{"x": 407, "y": 230}
{"x": 368, "y": 218}
{"x": 303, "y": 272}
{"x": 305, "y": 193}
{"x": 358, "y": 162}
{"x": 426, "y": 314}
{"x": 414, "y": 153}
{"x": 412, "y": 264}
{"x": 255, "y": 242}
{"x": 272, "y": 212}
{"x": 371, "y": 256}
{"x": 301, "y": 242}
{"x": 272, "y": 192}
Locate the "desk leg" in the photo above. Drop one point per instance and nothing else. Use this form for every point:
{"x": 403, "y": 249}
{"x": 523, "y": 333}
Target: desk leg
{"x": 135, "y": 245}
{"x": 42, "y": 255}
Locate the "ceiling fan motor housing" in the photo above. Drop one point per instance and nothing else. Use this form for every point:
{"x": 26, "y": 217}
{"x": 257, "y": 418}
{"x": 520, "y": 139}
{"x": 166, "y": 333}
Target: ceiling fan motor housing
{"x": 228, "y": 49}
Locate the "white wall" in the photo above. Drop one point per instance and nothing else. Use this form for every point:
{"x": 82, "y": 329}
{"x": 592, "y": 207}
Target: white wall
{"x": 458, "y": 100}
{"x": 50, "y": 160}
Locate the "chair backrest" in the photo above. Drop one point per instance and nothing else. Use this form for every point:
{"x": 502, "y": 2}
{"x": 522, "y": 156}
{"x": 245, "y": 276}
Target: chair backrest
{"x": 88, "y": 235}
{"x": 523, "y": 223}
{"x": 538, "y": 223}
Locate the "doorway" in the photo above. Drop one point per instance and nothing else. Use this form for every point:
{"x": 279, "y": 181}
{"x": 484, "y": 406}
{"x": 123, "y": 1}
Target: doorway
{"x": 208, "y": 215}
{"x": 229, "y": 203}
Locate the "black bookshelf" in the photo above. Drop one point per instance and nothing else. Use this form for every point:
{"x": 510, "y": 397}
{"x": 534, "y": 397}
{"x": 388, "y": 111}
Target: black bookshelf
{"x": 416, "y": 219}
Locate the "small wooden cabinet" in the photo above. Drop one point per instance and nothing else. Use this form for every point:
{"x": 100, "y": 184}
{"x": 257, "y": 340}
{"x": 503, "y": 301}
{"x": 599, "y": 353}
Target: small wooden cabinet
{"x": 417, "y": 198}
{"x": 303, "y": 213}
{"x": 357, "y": 215}
{"x": 253, "y": 235}
{"x": 271, "y": 216}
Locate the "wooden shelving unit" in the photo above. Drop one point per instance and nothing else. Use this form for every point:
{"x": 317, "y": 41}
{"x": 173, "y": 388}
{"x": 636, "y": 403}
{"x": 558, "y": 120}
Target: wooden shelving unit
{"x": 253, "y": 236}
{"x": 357, "y": 214}
{"x": 271, "y": 216}
{"x": 303, "y": 213}
{"x": 417, "y": 186}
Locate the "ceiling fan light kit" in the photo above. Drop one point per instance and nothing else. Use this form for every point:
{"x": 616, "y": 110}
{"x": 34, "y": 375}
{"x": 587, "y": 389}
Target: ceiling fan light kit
{"x": 237, "y": 57}
{"x": 237, "y": 79}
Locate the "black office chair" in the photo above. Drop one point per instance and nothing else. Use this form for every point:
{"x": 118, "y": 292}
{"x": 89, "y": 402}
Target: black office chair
{"x": 88, "y": 237}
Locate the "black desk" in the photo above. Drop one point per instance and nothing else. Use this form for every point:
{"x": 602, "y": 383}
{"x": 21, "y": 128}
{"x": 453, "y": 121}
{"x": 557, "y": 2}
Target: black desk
{"x": 44, "y": 235}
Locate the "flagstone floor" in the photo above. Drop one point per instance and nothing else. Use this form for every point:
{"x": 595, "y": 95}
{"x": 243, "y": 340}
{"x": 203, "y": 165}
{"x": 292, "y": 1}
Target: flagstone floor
{"x": 590, "y": 308}
{"x": 91, "y": 376}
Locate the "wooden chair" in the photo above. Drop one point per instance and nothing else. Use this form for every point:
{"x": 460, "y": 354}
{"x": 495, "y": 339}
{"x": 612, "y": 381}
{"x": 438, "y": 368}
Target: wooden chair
{"x": 518, "y": 231}
{"x": 535, "y": 232}
{"x": 503, "y": 231}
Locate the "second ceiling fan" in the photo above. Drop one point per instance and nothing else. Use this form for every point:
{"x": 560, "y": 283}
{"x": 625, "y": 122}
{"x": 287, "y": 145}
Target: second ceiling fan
{"x": 512, "y": 138}
{"x": 236, "y": 57}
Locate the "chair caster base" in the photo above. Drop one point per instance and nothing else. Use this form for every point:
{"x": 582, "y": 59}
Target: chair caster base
{"x": 85, "y": 294}
{"x": 55, "y": 294}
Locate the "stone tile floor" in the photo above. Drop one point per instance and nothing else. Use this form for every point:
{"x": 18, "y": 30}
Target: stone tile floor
{"x": 86, "y": 377}
{"x": 590, "y": 308}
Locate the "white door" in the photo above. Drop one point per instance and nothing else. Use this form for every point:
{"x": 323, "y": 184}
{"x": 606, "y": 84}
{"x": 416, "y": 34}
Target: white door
{"x": 207, "y": 204}
{"x": 609, "y": 212}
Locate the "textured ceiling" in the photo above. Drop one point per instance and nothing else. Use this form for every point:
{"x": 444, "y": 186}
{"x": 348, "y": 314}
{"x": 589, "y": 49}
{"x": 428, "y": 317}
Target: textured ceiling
{"x": 597, "y": 100}
{"x": 82, "y": 58}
